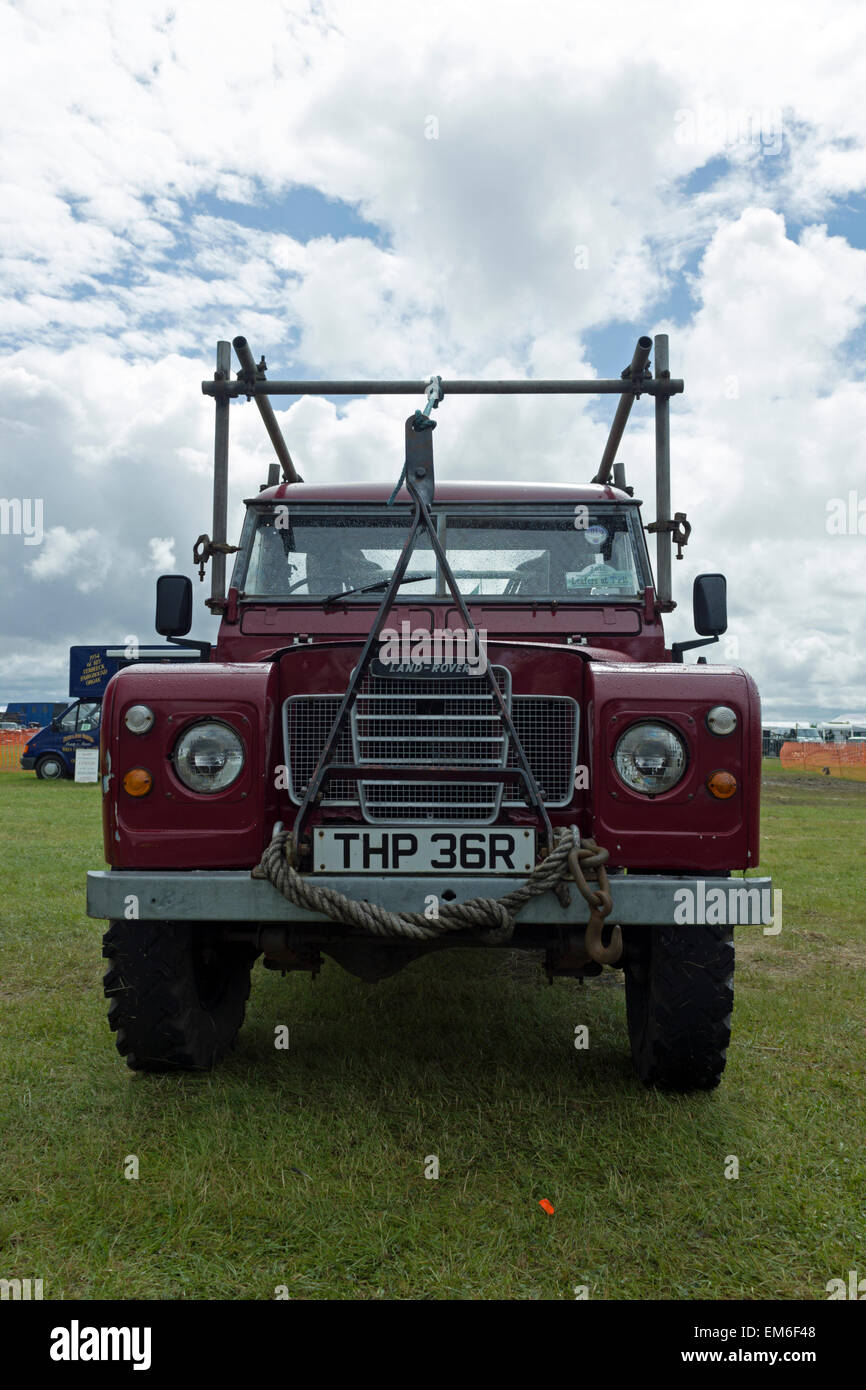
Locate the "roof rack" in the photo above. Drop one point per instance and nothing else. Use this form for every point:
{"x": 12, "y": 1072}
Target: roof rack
{"x": 636, "y": 380}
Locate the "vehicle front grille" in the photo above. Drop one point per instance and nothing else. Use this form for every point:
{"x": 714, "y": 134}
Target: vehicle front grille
{"x": 547, "y": 727}
{"x": 448, "y": 721}
{"x": 307, "y": 721}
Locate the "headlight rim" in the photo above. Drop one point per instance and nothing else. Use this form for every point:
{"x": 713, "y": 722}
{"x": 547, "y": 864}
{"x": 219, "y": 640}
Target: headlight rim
{"x": 669, "y": 727}
{"x": 185, "y": 732}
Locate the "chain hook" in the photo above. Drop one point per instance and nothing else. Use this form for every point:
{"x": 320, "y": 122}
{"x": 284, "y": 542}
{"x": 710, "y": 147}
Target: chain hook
{"x": 592, "y": 857}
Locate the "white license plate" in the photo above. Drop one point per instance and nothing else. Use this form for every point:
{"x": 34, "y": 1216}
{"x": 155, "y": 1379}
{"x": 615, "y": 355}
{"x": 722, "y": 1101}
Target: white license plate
{"x": 362, "y": 849}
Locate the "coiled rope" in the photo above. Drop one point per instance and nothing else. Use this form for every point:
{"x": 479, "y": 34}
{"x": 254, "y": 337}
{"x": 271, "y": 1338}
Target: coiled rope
{"x": 491, "y": 919}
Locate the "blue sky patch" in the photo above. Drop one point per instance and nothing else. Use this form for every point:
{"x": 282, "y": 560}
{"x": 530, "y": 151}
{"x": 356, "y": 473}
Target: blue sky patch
{"x": 302, "y": 213}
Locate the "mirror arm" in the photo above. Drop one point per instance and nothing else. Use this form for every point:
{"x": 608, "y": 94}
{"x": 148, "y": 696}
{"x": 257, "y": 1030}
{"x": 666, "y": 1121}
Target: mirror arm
{"x": 677, "y": 648}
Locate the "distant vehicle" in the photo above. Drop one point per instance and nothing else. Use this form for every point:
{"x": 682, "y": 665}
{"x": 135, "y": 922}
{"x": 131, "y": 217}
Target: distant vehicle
{"x": 51, "y": 750}
{"x": 6, "y": 726}
{"x": 774, "y": 734}
{"x": 842, "y": 730}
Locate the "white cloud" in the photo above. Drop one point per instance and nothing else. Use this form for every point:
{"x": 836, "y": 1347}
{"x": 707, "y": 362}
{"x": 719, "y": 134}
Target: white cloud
{"x": 75, "y": 557}
{"x": 162, "y": 556}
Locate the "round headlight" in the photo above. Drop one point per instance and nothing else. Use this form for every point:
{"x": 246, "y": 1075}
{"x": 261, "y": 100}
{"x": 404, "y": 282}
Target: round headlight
{"x": 208, "y": 757}
{"x": 650, "y": 758}
{"x": 138, "y": 719}
{"x": 721, "y": 720}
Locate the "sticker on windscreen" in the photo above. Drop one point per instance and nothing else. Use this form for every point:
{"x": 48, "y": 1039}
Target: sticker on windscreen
{"x": 599, "y": 579}
{"x": 595, "y": 535}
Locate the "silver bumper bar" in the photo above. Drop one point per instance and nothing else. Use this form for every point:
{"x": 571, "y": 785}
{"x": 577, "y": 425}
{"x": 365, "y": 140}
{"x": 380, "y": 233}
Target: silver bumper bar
{"x": 230, "y": 895}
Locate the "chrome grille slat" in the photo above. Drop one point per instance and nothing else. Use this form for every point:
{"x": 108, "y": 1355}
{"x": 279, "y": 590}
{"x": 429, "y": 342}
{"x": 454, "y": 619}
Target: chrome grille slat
{"x": 392, "y": 715}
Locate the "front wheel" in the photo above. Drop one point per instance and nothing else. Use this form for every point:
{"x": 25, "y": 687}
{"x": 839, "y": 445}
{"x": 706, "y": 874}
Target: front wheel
{"x": 177, "y": 1000}
{"x": 679, "y": 984}
{"x": 51, "y": 768}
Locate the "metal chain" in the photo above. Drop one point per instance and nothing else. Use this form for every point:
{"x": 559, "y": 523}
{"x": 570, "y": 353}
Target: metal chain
{"x": 588, "y": 858}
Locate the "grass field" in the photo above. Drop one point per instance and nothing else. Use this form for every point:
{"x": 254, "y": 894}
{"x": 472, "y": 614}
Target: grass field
{"x": 305, "y": 1167}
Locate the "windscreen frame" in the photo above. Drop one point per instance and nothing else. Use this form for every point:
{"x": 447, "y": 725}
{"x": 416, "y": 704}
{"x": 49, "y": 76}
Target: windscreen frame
{"x": 444, "y": 512}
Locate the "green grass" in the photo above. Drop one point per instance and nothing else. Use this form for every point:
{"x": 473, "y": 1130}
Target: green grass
{"x": 305, "y": 1167}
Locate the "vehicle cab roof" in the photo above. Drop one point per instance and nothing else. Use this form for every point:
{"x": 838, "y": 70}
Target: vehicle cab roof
{"x": 446, "y": 492}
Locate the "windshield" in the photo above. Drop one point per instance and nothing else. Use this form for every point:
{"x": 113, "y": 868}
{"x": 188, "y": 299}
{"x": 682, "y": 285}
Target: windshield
{"x": 593, "y": 553}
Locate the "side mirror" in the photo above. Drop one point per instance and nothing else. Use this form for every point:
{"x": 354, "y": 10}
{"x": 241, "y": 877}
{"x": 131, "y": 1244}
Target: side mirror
{"x": 710, "y": 604}
{"x": 173, "y": 605}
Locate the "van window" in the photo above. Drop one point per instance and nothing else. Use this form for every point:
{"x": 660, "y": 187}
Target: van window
{"x": 81, "y": 719}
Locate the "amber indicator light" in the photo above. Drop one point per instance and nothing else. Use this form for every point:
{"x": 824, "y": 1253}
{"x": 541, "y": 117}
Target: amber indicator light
{"x": 722, "y": 785}
{"x": 137, "y": 782}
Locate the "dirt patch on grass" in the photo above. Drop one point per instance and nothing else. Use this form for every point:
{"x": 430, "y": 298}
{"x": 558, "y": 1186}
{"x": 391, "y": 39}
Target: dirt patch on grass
{"x": 776, "y": 783}
{"x": 788, "y": 961}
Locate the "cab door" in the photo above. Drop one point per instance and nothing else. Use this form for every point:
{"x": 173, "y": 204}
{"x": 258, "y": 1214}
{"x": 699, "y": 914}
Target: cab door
{"x": 79, "y": 728}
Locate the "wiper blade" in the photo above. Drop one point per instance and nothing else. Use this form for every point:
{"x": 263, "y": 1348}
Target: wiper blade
{"x": 371, "y": 588}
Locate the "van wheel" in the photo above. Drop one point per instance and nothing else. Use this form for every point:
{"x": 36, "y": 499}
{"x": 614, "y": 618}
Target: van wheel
{"x": 177, "y": 999}
{"x": 679, "y": 990}
{"x": 51, "y": 768}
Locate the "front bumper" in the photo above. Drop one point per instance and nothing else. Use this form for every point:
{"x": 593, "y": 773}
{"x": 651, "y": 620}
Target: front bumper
{"x": 231, "y": 895}
{"x": 28, "y": 764}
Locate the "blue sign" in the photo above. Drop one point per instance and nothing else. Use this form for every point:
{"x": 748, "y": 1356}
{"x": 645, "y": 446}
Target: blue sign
{"x": 91, "y": 668}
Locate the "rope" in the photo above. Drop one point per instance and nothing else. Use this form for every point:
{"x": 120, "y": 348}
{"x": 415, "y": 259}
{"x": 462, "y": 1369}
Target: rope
{"x": 491, "y": 919}
{"x": 400, "y": 481}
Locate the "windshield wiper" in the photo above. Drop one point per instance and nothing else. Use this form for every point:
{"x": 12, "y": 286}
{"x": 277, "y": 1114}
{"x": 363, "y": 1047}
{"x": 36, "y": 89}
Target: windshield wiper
{"x": 371, "y": 588}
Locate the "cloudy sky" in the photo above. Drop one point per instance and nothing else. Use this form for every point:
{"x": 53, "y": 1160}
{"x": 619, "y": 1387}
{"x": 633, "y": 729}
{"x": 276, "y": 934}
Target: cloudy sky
{"x": 381, "y": 188}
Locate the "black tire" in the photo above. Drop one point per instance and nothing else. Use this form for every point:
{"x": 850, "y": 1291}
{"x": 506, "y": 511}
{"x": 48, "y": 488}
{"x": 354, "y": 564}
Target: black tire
{"x": 679, "y": 990}
{"x": 51, "y": 768}
{"x": 177, "y": 1000}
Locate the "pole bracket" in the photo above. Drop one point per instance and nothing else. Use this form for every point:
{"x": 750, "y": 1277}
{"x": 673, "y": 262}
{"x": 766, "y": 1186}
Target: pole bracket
{"x": 419, "y": 452}
{"x": 680, "y": 528}
{"x": 204, "y": 548}
{"x": 637, "y": 377}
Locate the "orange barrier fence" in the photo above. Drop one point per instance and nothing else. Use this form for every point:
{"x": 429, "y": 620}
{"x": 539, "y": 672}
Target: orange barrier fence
{"x": 830, "y": 759}
{"x": 11, "y": 748}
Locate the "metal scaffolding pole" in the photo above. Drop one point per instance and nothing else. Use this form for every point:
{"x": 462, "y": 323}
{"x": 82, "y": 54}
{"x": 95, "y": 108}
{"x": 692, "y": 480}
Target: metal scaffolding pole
{"x": 633, "y": 373}
{"x": 266, "y": 410}
{"x": 253, "y": 384}
{"x": 220, "y": 476}
{"x": 663, "y": 473}
{"x": 616, "y": 386}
